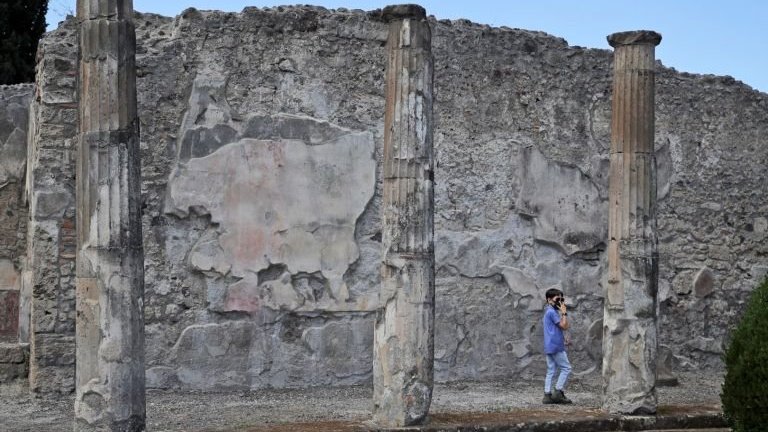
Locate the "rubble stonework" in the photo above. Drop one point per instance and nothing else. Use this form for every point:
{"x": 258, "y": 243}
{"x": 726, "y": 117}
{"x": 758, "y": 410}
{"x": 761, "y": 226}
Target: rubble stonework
{"x": 405, "y": 323}
{"x": 110, "y": 376}
{"x": 630, "y": 326}
{"x": 521, "y": 139}
{"x": 49, "y": 274}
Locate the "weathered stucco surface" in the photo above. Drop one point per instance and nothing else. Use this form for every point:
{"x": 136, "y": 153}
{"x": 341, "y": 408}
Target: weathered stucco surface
{"x": 285, "y": 195}
{"x": 260, "y": 133}
{"x": 14, "y": 114}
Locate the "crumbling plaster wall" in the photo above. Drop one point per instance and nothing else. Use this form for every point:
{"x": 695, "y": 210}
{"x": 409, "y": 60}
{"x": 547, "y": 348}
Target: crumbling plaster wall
{"x": 260, "y": 136}
{"x": 14, "y": 115}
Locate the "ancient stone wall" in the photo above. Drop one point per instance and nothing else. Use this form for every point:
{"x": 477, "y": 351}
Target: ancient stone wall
{"x": 713, "y": 209}
{"x": 14, "y": 114}
{"x": 51, "y": 241}
{"x": 260, "y": 135}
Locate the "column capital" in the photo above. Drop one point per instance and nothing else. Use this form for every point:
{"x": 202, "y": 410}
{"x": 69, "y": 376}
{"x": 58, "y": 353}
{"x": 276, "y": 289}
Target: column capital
{"x": 635, "y": 37}
{"x": 110, "y": 10}
{"x": 403, "y": 11}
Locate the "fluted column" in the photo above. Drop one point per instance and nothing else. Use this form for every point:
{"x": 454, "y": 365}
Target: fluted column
{"x": 110, "y": 277}
{"x": 404, "y": 331}
{"x": 631, "y": 308}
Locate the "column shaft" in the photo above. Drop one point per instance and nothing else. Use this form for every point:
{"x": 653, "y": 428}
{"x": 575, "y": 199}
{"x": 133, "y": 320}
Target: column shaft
{"x": 404, "y": 331}
{"x": 110, "y": 259}
{"x": 631, "y": 309}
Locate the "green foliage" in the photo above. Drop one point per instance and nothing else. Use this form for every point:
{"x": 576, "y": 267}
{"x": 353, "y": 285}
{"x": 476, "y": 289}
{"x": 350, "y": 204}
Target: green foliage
{"x": 745, "y": 391}
{"x": 22, "y": 23}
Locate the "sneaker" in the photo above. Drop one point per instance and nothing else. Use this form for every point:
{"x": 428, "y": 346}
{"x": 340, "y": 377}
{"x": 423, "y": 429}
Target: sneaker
{"x": 547, "y": 399}
{"x": 559, "y": 397}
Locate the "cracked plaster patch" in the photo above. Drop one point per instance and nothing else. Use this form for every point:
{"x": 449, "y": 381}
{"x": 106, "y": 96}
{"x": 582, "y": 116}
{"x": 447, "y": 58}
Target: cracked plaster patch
{"x": 9, "y": 276}
{"x": 279, "y": 201}
{"x": 564, "y": 203}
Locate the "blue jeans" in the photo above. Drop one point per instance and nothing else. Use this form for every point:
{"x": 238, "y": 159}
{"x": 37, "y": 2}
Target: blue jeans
{"x": 557, "y": 361}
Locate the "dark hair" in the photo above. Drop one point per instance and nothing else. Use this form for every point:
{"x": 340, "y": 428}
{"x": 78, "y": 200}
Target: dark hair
{"x": 552, "y": 292}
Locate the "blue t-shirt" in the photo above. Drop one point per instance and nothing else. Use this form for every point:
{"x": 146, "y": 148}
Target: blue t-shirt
{"x": 553, "y": 334}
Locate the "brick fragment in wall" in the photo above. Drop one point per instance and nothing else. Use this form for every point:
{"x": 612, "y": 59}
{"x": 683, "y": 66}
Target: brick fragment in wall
{"x": 9, "y": 315}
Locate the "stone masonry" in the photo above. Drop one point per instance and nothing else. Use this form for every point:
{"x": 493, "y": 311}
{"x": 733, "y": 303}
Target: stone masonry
{"x": 261, "y": 133}
{"x": 405, "y": 324}
{"x": 50, "y": 190}
{"x": 14, "y": 115}
{"x": 630, "y": 323}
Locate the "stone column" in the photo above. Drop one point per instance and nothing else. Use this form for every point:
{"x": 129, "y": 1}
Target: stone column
{"x": 631, "y": 308}
{"x": 110, "y": 258}
{"x": 404, "y": 331}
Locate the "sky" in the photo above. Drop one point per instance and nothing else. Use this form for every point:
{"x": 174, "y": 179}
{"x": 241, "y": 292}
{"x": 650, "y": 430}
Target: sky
{"x": 698, "y": 36}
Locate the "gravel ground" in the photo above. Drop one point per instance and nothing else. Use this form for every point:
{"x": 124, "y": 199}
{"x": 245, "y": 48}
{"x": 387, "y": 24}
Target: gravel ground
{"x": 257, "y": 410}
